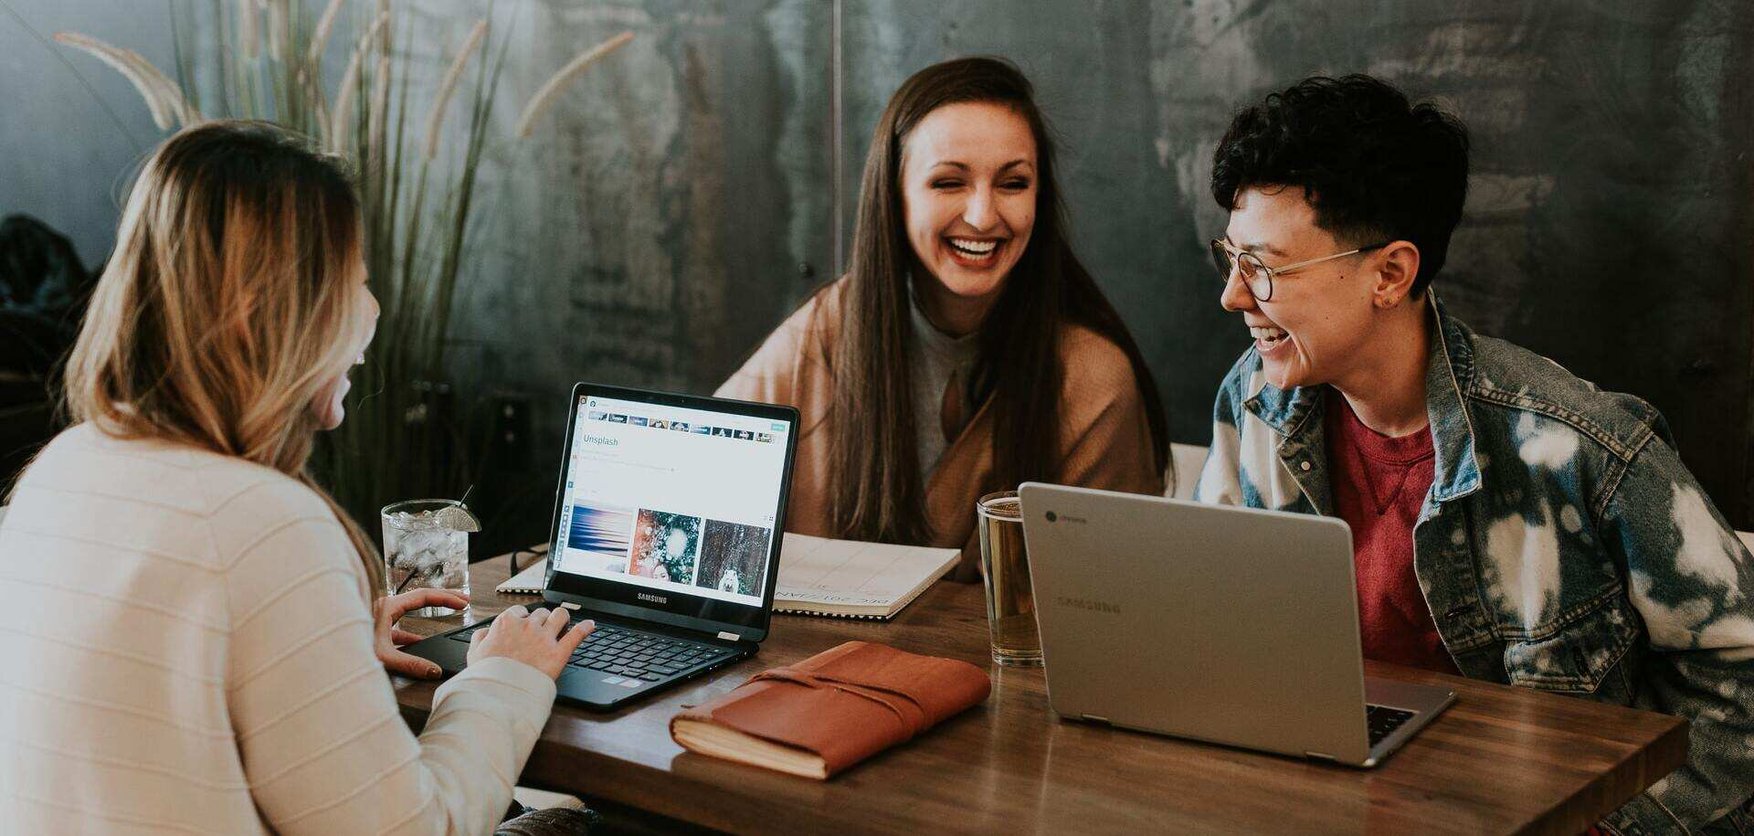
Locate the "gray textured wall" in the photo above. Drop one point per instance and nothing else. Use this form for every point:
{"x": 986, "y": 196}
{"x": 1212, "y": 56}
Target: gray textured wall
{"x": 1608, "y": 226}
{"x": 653, "y": 230}
{"x": 68, "y": 150}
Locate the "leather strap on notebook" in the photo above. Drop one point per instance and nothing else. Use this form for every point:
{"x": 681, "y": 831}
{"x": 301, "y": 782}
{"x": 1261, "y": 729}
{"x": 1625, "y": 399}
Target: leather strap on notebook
{"x": 913, "y": 718}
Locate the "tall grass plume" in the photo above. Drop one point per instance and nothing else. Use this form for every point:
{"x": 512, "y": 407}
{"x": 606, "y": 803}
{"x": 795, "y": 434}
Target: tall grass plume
{"x": 393, "y": 446}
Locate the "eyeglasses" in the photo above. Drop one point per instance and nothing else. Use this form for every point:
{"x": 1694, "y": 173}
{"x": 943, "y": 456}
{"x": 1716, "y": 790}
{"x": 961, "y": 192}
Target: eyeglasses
{"x": 1258, "y": 277}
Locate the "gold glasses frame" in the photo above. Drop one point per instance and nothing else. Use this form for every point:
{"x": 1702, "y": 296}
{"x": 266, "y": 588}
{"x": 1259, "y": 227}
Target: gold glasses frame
{"x": 1256, "y": 275}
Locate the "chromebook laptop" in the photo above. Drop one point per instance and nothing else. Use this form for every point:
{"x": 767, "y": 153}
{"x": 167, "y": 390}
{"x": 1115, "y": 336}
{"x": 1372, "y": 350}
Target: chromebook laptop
{"x": 1222, "y": 624}
{"x": 667, "y": 523}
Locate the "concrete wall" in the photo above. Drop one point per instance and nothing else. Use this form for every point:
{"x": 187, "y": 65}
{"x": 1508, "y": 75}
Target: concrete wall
{"x": 683, "y": 196}
{"x": 73, "y": 129}
{"x": 1608, "y": 226}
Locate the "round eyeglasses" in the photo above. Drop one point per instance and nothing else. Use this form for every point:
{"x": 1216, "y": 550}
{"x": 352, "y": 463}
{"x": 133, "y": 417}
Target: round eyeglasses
{"x": 1258, "y": 277}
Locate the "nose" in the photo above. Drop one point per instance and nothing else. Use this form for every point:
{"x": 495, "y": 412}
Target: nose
{"x": 1236, "y": 296}
{"x": 979, "y": 211}
{"x": 372, "y": 311}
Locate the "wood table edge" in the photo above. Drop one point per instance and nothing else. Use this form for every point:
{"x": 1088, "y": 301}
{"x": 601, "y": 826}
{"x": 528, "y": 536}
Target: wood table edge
{"x": 1626, "y": 780}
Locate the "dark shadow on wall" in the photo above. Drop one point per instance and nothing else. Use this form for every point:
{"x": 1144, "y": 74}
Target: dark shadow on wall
{"x": 43, "y": 288}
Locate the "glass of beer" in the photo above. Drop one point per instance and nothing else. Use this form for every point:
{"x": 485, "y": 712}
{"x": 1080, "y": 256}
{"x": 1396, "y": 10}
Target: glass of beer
{"x": 1005, "y": 564}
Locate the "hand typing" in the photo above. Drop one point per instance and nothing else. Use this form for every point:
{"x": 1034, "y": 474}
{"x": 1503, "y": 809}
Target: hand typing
{"x": 539, "y": 639}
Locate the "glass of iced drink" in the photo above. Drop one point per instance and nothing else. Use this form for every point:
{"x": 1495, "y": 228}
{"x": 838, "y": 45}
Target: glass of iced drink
{"x": 1005, "y": 563}
{"x": 426, "y": 544}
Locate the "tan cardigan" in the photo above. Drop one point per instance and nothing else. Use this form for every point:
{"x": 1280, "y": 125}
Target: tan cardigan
{"x": 1105, "y": 440}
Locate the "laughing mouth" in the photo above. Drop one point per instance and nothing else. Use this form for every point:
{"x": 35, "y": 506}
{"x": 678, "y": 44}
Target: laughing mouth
{"x": 1267, "y": 336}
{"x": 973, "y": 248}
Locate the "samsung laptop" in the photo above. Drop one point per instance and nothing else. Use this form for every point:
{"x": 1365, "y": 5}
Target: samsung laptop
{"x": 667, "y": 524}
{"x": 1227, "y": 625}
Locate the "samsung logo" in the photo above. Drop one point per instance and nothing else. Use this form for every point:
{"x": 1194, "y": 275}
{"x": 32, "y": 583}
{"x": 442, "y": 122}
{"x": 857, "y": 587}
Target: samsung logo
{"x": 656, "y": 599}
{"x": 1087, "y": 604}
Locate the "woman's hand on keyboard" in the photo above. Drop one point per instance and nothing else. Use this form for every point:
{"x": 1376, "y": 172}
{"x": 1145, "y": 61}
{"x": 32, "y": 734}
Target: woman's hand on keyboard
{"x": 539, "y": 639}
{"x": 386, "y": 611}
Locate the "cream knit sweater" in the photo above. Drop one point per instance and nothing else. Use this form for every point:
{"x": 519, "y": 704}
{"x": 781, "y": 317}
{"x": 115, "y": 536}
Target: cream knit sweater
{"x": 187, "y": 647}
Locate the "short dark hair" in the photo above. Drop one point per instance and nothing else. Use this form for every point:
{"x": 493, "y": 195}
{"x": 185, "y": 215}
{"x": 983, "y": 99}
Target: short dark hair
{"x": 1374, "y": 165}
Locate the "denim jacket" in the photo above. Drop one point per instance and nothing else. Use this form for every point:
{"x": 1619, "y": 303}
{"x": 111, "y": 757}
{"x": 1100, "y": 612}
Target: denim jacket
{"x": 1562, "y": 546}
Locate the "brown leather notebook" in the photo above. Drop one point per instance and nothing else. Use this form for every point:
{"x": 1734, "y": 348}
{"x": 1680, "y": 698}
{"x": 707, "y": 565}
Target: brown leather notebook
{"x": 832, "y": 710}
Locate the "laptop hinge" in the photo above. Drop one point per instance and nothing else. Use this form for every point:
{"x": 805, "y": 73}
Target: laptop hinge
{"x": 1092, "y": 718}
{"x": 729, "y": 636}
{"x": 570, "y": 605}
{"x": 1322, "y": 756}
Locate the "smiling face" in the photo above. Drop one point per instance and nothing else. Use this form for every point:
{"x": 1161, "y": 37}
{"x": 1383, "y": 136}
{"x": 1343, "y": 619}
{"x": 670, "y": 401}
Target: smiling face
{"x": 1319, "y": 325}
{"x": 968, "y": 179}
{"x": 329, "y": 407}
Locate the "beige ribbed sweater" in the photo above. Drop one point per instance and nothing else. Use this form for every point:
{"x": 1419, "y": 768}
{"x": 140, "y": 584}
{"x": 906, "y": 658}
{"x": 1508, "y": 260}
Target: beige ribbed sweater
{"x": 187, "y": 648}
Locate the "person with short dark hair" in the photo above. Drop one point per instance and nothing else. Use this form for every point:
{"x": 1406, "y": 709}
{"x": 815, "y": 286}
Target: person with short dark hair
{"x": 1510, "y": 522}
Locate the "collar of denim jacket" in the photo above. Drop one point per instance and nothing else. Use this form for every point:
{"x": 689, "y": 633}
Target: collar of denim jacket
{"x": 1449, "y": 372}
{"x": 1287, "y": 411}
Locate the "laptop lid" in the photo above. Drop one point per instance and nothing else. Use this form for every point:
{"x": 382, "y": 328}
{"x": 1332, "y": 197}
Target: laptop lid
{"x": 1223, "y": 624}
{"x": 669, "y": 508}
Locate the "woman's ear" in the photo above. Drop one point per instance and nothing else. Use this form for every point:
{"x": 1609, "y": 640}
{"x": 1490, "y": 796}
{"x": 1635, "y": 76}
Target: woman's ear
{"x": 1399, "y": 266}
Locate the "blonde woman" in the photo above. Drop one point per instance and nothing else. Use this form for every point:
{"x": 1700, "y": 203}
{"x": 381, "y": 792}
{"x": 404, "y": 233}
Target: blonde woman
{"x": 185, "y": 616}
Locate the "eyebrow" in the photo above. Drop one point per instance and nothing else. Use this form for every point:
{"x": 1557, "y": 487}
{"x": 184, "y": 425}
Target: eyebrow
{"x": 964, "y": 166}
{"x": 1269, "y": 249}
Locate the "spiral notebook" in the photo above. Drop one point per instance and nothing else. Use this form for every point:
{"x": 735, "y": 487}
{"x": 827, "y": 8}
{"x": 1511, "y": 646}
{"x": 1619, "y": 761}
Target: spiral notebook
{"x": 819, "y": 576}
{"x": 529, "y": 581}
{"x": 850, "y": 579}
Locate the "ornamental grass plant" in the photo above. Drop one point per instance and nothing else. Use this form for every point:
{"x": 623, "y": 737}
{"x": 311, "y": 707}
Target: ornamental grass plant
{"x": 417, "y": 176}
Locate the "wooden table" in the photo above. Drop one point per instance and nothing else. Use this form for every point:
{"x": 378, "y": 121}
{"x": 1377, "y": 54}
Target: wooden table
{"x": 1501, "y": 760}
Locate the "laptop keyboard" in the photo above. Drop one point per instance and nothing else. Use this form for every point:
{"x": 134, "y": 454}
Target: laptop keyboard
{"x": 1383, "y": 721}
{"x": 632, "y": 654}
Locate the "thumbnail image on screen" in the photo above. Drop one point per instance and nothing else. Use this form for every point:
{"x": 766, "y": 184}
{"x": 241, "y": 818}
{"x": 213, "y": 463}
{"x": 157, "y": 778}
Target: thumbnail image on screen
{"x": 732, "y": 558}
{"x": 666, "y": 546}
{"x": 599, "y": 538}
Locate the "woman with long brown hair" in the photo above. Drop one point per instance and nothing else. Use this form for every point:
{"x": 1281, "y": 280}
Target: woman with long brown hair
{"x": 186, "y": 618}
{"x": 966, "y": 350}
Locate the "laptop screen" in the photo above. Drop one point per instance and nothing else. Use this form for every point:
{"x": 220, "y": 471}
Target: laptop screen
{"x": 671, "y": 503}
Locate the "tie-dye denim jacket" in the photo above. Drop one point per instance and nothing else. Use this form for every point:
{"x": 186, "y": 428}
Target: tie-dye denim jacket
{"x": 1562, "y": 546}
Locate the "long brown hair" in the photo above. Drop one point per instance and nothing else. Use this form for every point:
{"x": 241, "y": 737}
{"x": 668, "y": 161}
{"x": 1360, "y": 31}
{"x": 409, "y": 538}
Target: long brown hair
{"x": 878, "y": 490}
{"x": 226, "y": 308}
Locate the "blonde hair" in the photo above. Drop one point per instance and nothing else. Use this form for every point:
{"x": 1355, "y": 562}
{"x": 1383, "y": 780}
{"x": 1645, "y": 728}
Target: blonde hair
{"x": 225, "y": 310}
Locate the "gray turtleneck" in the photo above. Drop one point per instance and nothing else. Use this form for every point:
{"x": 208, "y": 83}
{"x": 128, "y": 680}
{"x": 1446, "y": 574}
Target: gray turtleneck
{"x": 936, "y": 357}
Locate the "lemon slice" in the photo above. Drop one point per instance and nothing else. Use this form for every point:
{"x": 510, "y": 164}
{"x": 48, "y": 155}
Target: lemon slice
{"x": 457, "y": 518}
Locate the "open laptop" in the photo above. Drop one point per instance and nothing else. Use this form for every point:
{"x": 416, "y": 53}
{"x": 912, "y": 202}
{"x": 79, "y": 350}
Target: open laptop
{"x": 1228, "y": 625}
{"x": 666, "y": 532}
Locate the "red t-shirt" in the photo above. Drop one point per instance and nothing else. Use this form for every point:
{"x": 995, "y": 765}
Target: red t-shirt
{"x": 1379, "y": 484}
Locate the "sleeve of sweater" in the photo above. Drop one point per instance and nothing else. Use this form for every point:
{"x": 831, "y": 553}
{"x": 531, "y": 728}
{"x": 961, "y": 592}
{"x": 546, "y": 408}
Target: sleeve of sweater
{"x": 321, "y": 738}
{"x": 775, "y": 371}
{"x": 1105, "y": 433}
